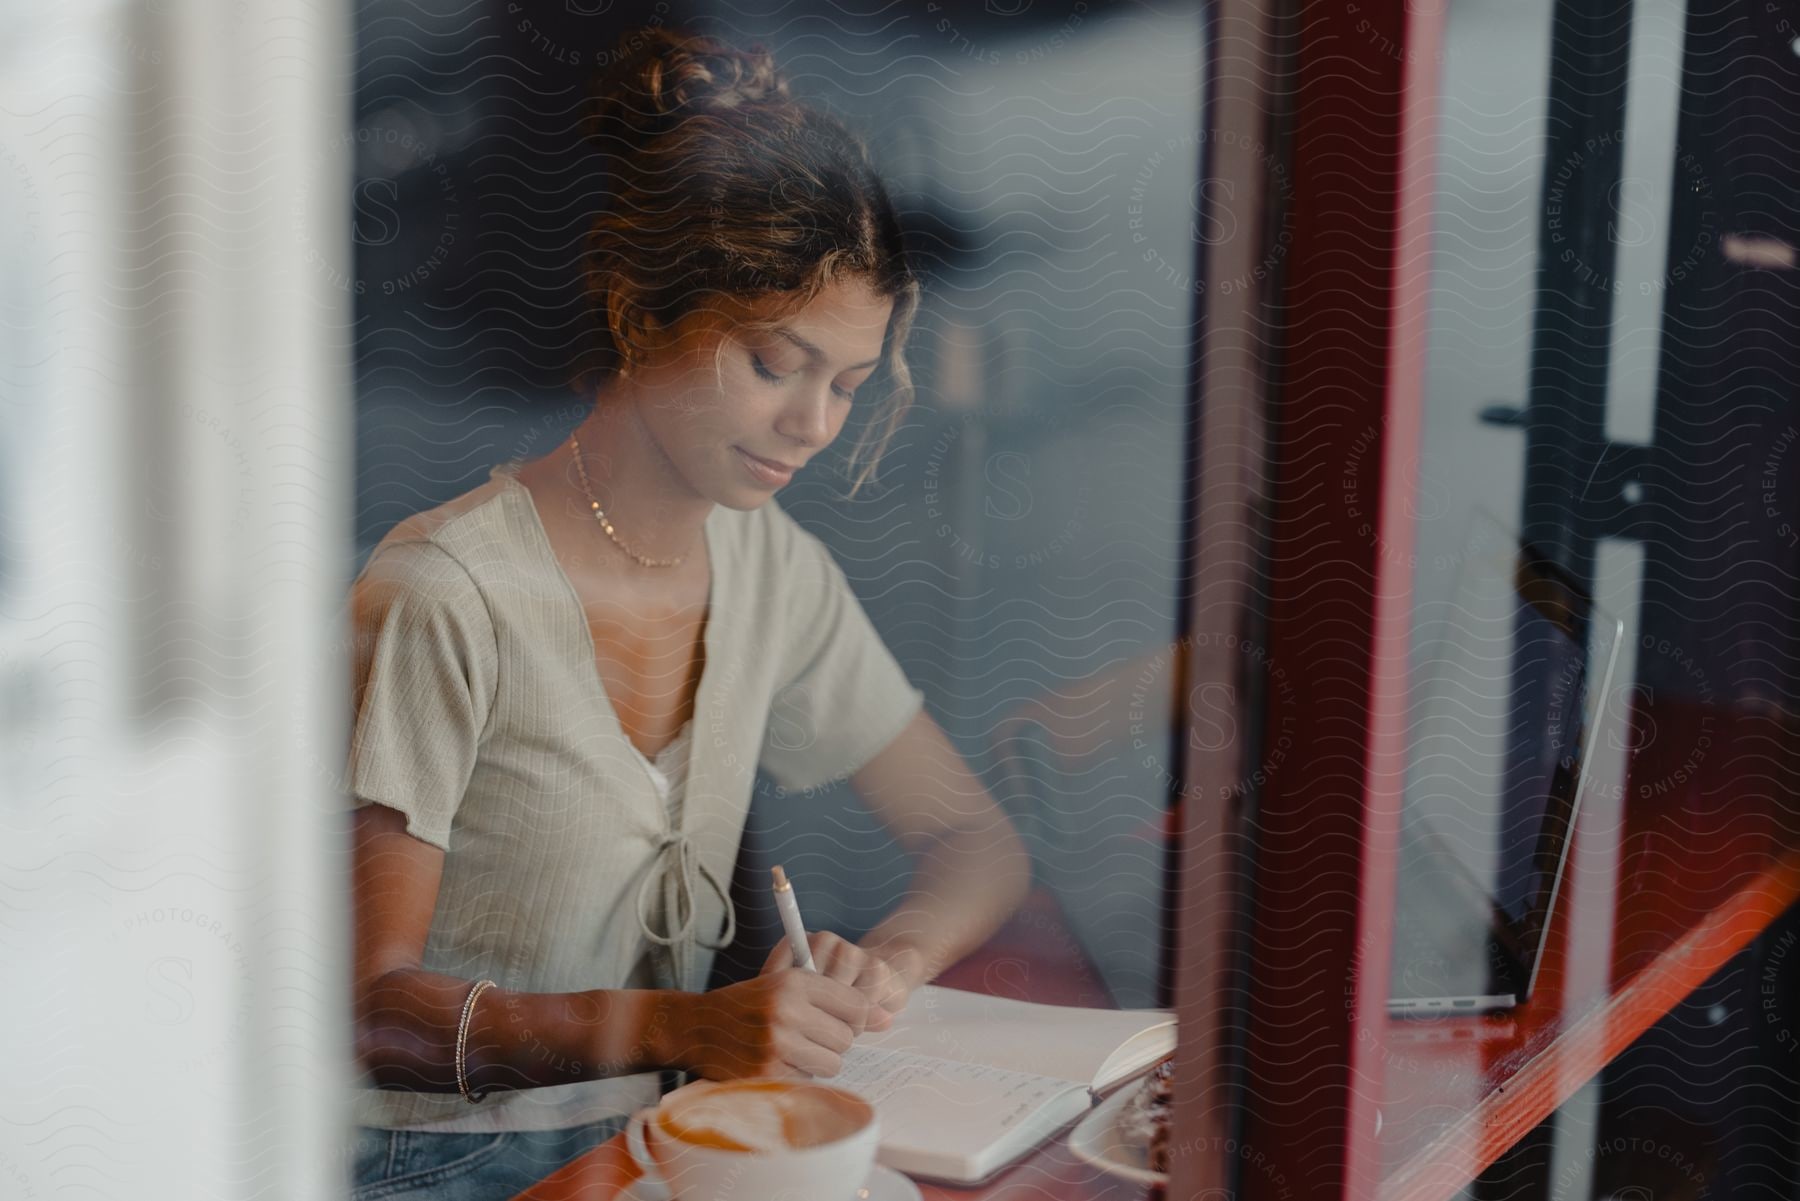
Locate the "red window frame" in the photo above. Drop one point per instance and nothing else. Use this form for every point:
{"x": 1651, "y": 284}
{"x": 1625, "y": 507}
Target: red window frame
{"x": 1286, "y": 889}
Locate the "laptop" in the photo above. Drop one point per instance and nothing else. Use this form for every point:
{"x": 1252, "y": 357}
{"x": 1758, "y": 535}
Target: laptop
{"x": 1499, "y": 743}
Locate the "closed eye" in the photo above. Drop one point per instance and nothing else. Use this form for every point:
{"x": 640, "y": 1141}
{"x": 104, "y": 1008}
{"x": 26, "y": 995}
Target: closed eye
{"x": 762, "y": 370}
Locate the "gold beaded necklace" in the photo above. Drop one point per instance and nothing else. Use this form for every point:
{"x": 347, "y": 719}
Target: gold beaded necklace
{"x": 606, "y": 522}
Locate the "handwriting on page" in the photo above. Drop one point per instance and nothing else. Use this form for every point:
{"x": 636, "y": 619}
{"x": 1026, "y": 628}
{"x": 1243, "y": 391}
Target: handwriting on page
{"x": 900, "y": 1078}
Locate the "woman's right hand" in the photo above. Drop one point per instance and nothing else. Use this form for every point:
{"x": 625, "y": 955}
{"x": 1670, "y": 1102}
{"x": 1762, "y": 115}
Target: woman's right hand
{"x": 791, "y": 1022}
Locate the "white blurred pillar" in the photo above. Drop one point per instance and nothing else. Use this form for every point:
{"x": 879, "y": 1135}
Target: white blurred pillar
{"x": 175, "y": 500}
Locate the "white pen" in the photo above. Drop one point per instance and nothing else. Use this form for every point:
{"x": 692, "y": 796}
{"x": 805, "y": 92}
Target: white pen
{"x": 790, "y": 919}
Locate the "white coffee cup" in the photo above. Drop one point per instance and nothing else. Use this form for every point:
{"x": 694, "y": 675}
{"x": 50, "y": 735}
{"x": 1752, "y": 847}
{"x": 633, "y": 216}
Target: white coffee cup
{"x": 757, "y": 1140}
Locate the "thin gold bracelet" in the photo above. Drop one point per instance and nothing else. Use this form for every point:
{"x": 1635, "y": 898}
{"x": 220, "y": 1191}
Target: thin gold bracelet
{"x": 462, "y": 1042}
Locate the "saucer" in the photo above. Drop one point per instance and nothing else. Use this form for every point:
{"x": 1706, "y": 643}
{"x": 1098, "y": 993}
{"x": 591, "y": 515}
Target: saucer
{"x": 884, "y": 1184}
{"x": 1097, "y": 1140}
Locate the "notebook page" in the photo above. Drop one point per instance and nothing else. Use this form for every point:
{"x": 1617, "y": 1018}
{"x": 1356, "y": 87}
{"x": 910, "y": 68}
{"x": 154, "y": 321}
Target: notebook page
{"x": 955, "y": 1120}
{"x": 1078, "y": 1045}
{"x": 1134, "y": 1055}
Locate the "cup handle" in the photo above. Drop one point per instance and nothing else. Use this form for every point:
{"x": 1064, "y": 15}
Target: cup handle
{"x": 637, "y": 1147}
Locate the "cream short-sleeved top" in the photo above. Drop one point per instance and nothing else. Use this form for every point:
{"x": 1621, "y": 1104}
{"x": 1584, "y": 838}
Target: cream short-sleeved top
{"x": 572, "y": 862}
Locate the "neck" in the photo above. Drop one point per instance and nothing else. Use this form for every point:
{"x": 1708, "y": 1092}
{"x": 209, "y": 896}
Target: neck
{"x": 652, "y": 509}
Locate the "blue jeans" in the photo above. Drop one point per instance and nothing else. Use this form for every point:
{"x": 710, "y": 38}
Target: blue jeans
{"x": 465, "y": 1167}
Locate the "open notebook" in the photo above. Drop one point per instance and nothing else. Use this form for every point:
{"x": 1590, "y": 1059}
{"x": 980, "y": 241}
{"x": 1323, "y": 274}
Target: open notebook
{"x": 966, "y": 1083}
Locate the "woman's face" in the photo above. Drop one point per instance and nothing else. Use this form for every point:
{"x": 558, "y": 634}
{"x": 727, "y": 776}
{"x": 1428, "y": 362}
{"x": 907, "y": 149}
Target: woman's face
{"x": 737, "y": 433}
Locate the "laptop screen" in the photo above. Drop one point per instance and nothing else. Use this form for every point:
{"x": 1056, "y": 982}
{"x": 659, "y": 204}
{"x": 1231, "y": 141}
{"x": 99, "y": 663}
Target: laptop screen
{"x": 1542, "y": 708}
{"x": 1501, "y": 712}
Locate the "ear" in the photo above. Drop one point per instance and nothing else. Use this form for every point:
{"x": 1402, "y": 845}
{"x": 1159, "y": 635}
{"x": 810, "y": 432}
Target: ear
{"x": 630, "y": 323}
{"x": 621, "y": 314}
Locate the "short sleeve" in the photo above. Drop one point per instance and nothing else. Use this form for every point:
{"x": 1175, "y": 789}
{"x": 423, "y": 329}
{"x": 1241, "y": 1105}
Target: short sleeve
{"x": 423, "y": 671}
{"x": 841, "y": 695}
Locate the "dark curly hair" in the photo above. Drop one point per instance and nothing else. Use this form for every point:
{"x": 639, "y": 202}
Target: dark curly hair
{"x": 721, "y": 186}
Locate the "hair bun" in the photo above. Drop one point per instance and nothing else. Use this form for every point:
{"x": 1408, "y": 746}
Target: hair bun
{"x": 660, "y": 74}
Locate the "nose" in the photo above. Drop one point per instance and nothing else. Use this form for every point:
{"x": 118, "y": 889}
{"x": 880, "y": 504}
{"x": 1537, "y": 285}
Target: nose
{"x": 809, "y": 421}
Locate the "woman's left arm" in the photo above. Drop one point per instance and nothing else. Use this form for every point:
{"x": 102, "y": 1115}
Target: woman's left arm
{"x": 973, "y": 869}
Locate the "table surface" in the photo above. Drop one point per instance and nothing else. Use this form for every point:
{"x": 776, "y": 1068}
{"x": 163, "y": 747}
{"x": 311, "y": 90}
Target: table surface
{"x": 1658, "y": 897}
{"x": 1457, "y": 1092}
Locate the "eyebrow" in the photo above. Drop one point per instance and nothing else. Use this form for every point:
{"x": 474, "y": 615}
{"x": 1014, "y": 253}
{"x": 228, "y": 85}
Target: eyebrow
{"x": 815, "y": 352}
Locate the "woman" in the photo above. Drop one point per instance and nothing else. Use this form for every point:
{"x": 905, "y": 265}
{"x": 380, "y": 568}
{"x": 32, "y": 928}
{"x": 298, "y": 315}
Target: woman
{"x": 567, "y": 677}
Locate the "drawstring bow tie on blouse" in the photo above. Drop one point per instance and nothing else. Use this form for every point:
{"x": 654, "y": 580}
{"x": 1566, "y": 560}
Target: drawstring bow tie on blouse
{"x": 678, "y": 862}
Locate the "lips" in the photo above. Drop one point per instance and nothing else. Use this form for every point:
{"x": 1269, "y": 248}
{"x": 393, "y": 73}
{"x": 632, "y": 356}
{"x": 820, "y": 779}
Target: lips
{"x": 768, "y": 471}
